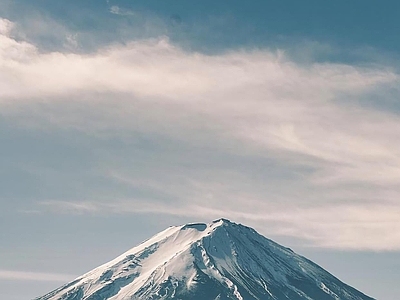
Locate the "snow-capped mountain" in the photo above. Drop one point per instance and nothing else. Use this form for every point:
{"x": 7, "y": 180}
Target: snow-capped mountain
{"x": 221, "y": 260}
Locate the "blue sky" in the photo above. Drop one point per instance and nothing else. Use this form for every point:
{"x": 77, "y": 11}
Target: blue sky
{"x": 120, "y": 118}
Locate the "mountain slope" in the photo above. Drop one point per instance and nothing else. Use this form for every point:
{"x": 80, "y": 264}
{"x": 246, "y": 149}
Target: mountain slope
{"x": 217, "y": 261}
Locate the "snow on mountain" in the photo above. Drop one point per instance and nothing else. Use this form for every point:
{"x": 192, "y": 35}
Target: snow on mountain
{"x": 218, "y": 261}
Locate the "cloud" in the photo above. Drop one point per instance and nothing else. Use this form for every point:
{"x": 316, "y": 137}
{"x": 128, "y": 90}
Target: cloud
{"x": 116, "y": 10}
{"x": 257, "y": 97}
{"x": 5, "y": 26}
{"x": 256, "y": 132}
{"x": 71, "y": 207}
{"x": 345, "y": 226}
{"x": 34, "y": 276}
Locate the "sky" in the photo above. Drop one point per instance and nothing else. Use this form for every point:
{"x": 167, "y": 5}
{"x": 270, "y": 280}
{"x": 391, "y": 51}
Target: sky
{"x": 121, "y": 118}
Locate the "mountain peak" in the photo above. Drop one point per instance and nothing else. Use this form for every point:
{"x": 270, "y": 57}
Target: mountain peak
{"x": 213, "y": 224}
{"x": 197, "y": 226}
{"x": 222, "y": 221}
{"x": 197, "y": 261}
{"x": 202, "y": 227}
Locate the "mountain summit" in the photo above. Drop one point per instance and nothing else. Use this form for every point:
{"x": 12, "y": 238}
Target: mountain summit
{"x": 217, "y": 261}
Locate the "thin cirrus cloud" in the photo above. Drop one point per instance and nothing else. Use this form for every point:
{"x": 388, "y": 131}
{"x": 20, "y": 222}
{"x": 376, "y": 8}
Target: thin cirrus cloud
{"x": 116, "y": 10}
{"x": 34, "y": 276}
{"x": 340, "y": 226}
{"x": 256, "y": 103}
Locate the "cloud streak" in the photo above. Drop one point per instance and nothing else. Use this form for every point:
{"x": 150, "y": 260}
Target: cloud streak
{"x": 116, "y": 10}
{"x": 34, "y": 276}
{"x": 344, "y": 226}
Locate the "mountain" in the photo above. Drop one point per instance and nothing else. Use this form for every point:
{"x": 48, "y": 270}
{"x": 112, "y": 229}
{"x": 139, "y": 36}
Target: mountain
{"x": 218, "y": 261}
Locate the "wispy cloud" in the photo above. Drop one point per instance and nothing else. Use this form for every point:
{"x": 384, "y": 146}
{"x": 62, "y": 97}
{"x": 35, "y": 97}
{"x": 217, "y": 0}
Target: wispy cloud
{"x": 264, "y": 132}
{"x": 77, "y": 207}
{"x": 34, "y": 276}
{"x": 343, "y": 226}
{"x": 116, "y": 10}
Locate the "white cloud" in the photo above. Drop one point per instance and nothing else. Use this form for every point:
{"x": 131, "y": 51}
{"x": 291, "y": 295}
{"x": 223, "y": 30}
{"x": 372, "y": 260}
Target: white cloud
{"x": 254, "y": 103}
{"x": 5, "y": 26}
{"x": 34, "y": 276}
{"x": 71, "y": 41}
{"x": 116, "y": 10}
{"x": 78, "y": 207}
{"x": 345, "y": 226}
